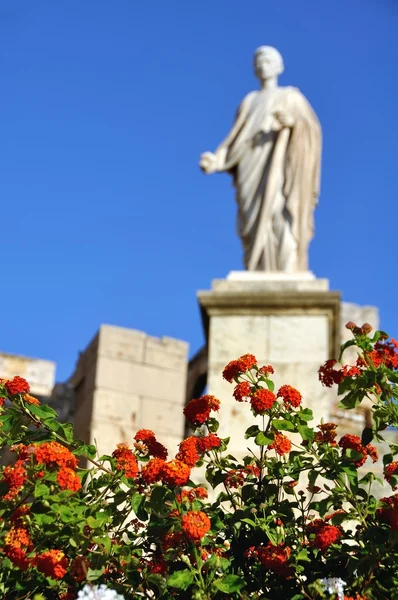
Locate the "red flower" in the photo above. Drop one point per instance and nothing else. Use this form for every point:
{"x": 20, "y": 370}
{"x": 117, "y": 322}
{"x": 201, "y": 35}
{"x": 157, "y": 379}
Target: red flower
{"x": 192, "y": 494}
{"x": 52, "y": 563}
{"x": 173, "y": 540}
{"x": 16, "y": 477}
{"x": 290, "y": 396}
{"x": 390, "y": 470}
{"x": 235, "y": 478}
{"x": 242, "y": 391}
{"x": 157, "y": 565}
{"x": 18, "y": 557}
{"x": 188, "y": 452}
{"x": 266, "y": 370}
{"x": 195, "y": 525}
{"x": 152, "y": 472}
{"x": 157, "y": 450}
{"x": 208, "y": 442}
{"x": 353, "y": 442}
{"x": 239, "y": 366}
{"x": 68, "y": 479}
{"x": 389, "y": 513}
{"x": 54, "y": 454}
{"x": 325, "y": 535}
{"x": 17, "y": 385}
{"x": 328, "y": 375}
{"x": 383, "y": 353}
{"x": 126, "y": 461}
{"x": 281, "y": 444}
{"x": 327, "y": 434}
{"x": 275, "y": 558}
{"x": 261, "y": 401}
{"x": 145, "y": 435}
{"x": 198, "y": 411}
{"x": 175, "y": 473}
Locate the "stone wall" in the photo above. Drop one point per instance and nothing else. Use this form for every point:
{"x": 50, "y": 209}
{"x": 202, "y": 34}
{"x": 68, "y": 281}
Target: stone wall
{"x": 126, "y": 380}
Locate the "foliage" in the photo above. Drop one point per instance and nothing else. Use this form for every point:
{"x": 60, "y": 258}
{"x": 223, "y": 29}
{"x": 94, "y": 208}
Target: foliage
{"x": 297, "y": 511}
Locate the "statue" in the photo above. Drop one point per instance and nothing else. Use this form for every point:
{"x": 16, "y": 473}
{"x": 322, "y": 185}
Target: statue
{"x": 273, "y": 153}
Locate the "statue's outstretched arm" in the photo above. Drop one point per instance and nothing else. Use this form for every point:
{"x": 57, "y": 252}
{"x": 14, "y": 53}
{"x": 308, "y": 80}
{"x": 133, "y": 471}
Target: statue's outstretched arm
{"x": 211, "y": 162}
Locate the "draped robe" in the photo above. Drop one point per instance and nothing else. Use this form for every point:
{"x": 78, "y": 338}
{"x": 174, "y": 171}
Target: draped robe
{"x": 276, "y": 174}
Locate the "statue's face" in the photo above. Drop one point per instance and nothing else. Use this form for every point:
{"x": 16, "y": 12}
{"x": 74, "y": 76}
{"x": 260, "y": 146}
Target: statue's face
{"x": 267, "y": 64}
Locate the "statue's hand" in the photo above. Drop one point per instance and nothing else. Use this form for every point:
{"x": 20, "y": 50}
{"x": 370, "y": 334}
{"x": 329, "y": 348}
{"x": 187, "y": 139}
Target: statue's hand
{"x": 284, "y": 118}
{"x": 208, "y": 162}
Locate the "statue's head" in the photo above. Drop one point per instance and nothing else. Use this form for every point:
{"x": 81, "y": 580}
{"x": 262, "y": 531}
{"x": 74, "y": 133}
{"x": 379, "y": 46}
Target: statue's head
{"x": 268, "y": 62}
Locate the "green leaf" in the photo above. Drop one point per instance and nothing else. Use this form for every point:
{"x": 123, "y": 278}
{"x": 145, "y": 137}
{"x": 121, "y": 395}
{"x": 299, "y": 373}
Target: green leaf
{"x": 283, "y": 425}
{"x": 306, "y": 414}
{"x": 43, "y": 411}
{"x": 98, "y": 521}
{"x": 346, "y": 345}
{"x": 41, "y": 490}
{"x": 270, "y": 384}
{"x": 180, "y": 579}
{"x": 94, "y": 574}
{"x": 158, "y": 499}
{"x": 230, "y": 584}
{"x": 263, "y": 440}
{"x": 303, "y": 555}
{"x": 306, "y": 432}
{"x": 251, "y": 431}
{"x": 367, "y": 436}
{"x": 352, "y": 400}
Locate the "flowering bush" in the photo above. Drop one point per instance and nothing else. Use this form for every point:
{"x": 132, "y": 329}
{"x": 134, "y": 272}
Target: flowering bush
{"x": 294, "y": 519}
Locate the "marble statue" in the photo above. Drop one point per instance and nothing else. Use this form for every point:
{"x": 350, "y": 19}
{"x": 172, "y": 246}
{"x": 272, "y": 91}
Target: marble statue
{"x": 273, "y": 153}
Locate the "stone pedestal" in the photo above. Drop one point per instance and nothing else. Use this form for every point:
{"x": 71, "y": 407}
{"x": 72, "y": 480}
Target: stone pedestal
{"x": 289, "y": 321}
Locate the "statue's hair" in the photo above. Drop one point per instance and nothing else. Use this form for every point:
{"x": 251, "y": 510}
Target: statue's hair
{"x": 276, "y": 55}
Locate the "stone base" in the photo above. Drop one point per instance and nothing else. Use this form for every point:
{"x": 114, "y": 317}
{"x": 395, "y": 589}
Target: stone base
{"x": 290, "y": 322}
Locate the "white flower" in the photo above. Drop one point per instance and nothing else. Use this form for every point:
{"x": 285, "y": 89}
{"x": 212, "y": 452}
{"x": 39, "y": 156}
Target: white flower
{"x": 334, "y": 585}
{"x": 93, "y": 592}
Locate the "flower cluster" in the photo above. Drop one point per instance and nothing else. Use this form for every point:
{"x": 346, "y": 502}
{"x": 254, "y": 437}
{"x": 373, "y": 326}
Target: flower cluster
{"x": 126, "y": 461}
{"x": 275, "y": 558}
{"x": 150, "y": 444}
{"x": 353, "y": 442}
{"x": 322, "y": 535}
{"x": 197, "y": 411}
{"x": 195, "y": 524}
{"x": 247, "y": 362}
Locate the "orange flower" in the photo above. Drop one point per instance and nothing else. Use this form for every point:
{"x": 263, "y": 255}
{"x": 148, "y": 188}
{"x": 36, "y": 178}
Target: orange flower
{"x": 275, "y": 558}
{"x": 197, "y": 411}
{"x": 68, "y": 479}
{"x": 192, "y": 494}
{"x": 390, "y": 470}
{"x": 175, "y": 473}
{"x": 239, "y": 366}
{"x": 353, "y": 442}
{"x": 290, "y": 396}
{"x": 16, "y": 477}
{"x": 17, "y": 385}
{"x": 325, "y": 535}
{"x": 152, "y": 472}
{"x": 208, "y": 442}
{"x": 242, "y": 391}
{"x": 126, "y": 461}
{"x": 281, "y": 444}
{"x": 54, "y": 454}
{"x": 18, "y": 537}
{"x": 145, "y": 435}
{"x": 31, "y": 399}
{"x": 195, "y": 524}
{"x": 52, "y": 563}
{"x": 188, "y": 452}
{"x": 326, "y": 434}
{"x": 18, "y": 557}
{"x": 262, "y": 400}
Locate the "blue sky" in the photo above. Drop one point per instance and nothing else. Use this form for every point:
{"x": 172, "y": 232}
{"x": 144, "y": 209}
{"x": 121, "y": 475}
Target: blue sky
{"x": 105, "y": 108}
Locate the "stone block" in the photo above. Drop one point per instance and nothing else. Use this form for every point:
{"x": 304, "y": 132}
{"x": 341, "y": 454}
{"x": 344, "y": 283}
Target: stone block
{"x": 140, "y": 379}
{"x": 162, "y": 417}
{"x": 166, "y": 353}
{"x": 112, "y": 406}
{"x": 301, "y": 338}
{"x": 122, "y": 344}
{"x": 234, "y": 335}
